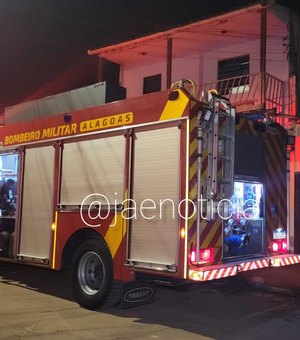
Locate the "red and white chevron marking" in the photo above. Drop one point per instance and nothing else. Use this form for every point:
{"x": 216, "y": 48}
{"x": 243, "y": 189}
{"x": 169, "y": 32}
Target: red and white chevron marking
{"x": 251, "y": 265}
{"x": 219, "y": 273}
{"x": 285, "y": 261}
{"x": 213, "y": 273}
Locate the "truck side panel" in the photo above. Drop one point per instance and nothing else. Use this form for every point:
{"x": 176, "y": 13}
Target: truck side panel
{"x": 37, "y": 196}
{"x": 156, "y": 191}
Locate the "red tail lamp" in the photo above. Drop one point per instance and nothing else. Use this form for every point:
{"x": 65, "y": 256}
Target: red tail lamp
{"x": 279, "y": 246}
{"x": 206, "y": 255}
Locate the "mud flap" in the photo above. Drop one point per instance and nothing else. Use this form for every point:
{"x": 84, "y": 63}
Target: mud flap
{"x": 137, "y": 293}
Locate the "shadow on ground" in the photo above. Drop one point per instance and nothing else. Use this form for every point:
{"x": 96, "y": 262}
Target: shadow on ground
{"x": 232, "y": 311}
{"x": 43, "y": 280}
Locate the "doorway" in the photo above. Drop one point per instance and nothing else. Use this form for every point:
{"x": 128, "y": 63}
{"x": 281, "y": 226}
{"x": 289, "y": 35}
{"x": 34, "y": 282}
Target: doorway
{"x": 8, "y": 202}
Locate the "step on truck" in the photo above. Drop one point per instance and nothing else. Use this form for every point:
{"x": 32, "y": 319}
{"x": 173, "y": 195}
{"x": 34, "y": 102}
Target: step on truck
{"x": 166, "y": 186}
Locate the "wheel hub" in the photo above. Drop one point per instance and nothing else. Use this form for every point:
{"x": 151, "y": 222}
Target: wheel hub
{"x": 91, "y": 273}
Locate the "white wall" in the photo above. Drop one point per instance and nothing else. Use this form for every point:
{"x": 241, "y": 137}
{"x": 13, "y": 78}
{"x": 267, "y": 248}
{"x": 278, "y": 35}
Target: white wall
{"x": 202, "y": 67}
{"x": 277, "y": 64}
{"x": 190, "y": 67}
{"x": 132, "y": 75}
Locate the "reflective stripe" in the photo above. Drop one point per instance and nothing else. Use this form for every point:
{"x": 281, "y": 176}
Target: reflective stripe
{"x": 54, "y": 240}
{"x": 212, "y": 273}
{"x": 286, "y": 260}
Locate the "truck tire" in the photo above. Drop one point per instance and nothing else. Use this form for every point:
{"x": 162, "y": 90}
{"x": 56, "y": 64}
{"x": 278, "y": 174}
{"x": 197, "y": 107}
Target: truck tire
{"x": 115, "y": 295}
{"x": 92, "y": 273}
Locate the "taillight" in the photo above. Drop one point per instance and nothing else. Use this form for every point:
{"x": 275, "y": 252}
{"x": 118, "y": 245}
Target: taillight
{"x": 279, "y": 246}
{"x": 193, "y": 256}
{"x": 284, "y": 246}
{"x": 206, "y": 255}
{"x": 275, "y": 246}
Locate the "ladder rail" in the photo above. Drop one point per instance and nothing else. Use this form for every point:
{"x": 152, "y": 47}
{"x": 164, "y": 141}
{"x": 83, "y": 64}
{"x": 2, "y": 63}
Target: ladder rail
{"x": 220, "y": 141}
{"x": 227, "y": 158}
{"x": 219, "y": 128}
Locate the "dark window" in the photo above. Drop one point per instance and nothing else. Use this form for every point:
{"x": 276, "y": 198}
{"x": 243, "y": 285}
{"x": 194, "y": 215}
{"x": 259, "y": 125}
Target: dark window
{"x": 152, "y": 84}
{"x": 108, "y": 71}
{"x": 233, "y": 72}
{"x": 249, "y": 155}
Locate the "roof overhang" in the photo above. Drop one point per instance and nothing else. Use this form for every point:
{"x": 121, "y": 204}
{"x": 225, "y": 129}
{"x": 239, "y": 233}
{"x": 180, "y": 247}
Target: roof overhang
{"x": 188, "y": 39}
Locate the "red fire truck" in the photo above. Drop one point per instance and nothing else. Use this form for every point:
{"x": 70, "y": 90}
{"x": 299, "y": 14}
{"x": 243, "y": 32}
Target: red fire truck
{"x": 164, "y": 186}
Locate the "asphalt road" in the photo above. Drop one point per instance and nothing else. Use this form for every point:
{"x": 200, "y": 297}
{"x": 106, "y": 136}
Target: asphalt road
{"x": 36, "y": 304}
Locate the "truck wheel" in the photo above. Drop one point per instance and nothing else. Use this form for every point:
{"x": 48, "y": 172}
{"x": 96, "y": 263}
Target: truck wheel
{"x": 91, "y": 273}
{"x": 115, "y": 294}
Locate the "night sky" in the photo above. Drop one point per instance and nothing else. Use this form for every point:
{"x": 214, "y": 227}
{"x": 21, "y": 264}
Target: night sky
{"x": 44, "y": 43}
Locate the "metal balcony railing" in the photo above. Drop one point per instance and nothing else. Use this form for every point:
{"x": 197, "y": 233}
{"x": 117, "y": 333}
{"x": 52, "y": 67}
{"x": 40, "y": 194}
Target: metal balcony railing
{"x": 244, "y": 92}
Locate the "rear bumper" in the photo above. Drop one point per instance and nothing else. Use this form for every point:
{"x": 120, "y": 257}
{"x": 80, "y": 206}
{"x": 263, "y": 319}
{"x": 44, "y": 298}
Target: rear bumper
{"x": 233, "y": 268}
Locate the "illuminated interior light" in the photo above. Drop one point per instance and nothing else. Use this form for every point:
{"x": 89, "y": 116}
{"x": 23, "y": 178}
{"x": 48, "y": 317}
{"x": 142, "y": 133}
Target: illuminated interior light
{"x": 53, "y": 226}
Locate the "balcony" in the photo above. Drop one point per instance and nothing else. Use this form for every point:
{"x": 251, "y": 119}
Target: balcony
{"x": 245, "y": 94}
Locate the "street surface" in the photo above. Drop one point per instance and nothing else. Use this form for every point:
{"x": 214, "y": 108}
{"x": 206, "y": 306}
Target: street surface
{"x": 36, "y": 304}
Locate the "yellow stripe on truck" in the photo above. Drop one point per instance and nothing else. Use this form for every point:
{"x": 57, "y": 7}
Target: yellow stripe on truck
{"x": 175, "y": 108}
{"x": 117, "y": 230}
{"x": 115, "y": 233}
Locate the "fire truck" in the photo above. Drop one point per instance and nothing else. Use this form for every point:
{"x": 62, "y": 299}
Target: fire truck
{"x": 165, "y": 186}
